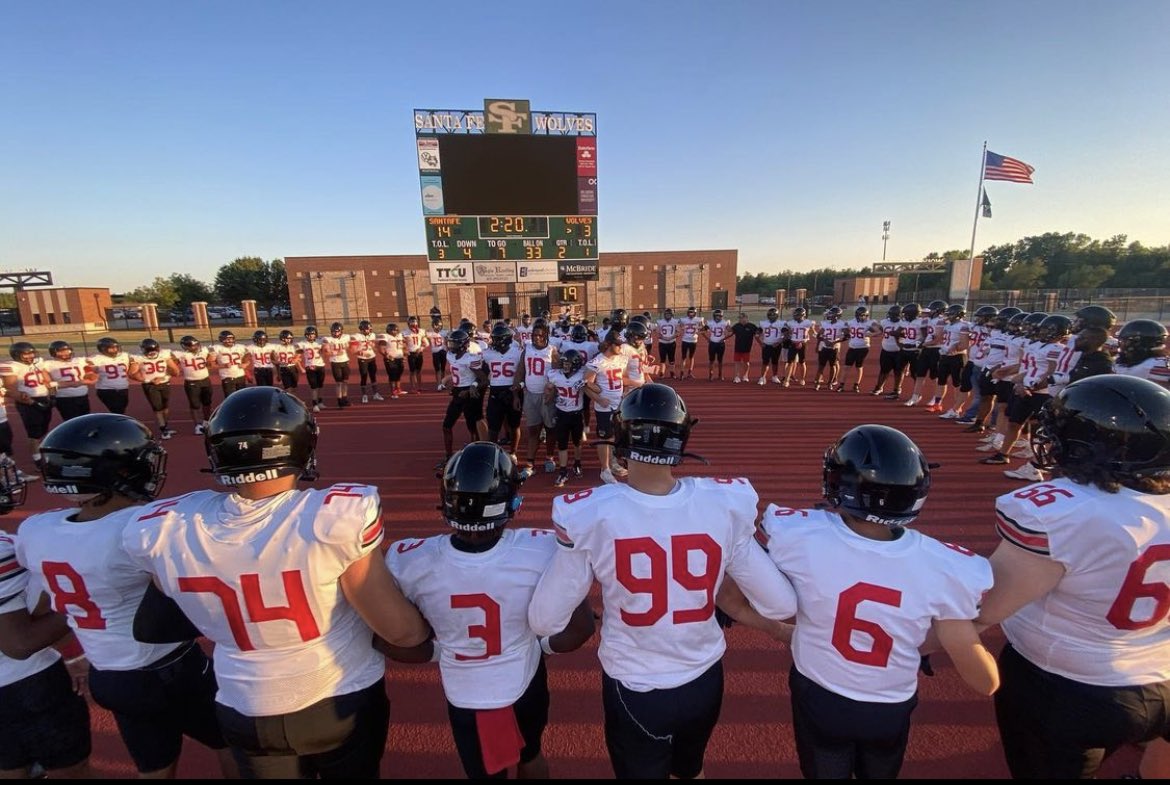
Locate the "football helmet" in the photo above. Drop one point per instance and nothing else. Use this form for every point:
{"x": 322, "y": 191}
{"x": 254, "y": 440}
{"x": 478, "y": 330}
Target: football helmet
{"x": 691, "y": 311}
{"x": 57, "y": 347}
{"x": 365, "y": 327}
{"x": 501, "y": 338}
{"x": 189, "y": 343}
{"x": 619, "y": 319}
{"x": 457, "y": 342}
{"x": 798, "y": 313}
{"x": 636, "y": 333}
{"x": 572, "y": 361}
{"x": 1030, "y": 327}
{"x": 936, "y": 308}
{"x": 23, "y": 352}
{"x": 832, "y": 314}
{"x": 652, "y": 426}
{"x": 336, "y": 329}
{"x": 895, "y": 313}
{"x": 411, "y": 321}
{"x": 1015, "y": 324}
{"x": 467, "y": 326}
{"x": 391, "y": 328}
{"x": 108, "y": 346}
{"x": 1112, "y": 422}
{"x": 579, "y": 333}
{"x": 286, "y": 336}
{"x": 150, "y": 348}
{"x": 103, "y": 454}
{"x": 954, "y": 312}
{"x": 668, "y": 313}
{"x": 259, "y": 337}
{"x": 258, "y": 434}
{"x": 1094, "y": 316}
{"x": 227, "y": 338}
{"x": 773, "y": 315}
{"x": 1140, "y": 339}
{"x": 1054, "y": 328}
{"x": 1004, "y": 316}
{"x": 480, "y": 488}
{"x": 13, "y": 488}
{"x": 877, "y": 474}
{"x": 311, "y": 333}
{"x": 985, "y": 314}
{"x": 642, "y": 318}
{"x": 911, "y": 311}
{"x": 861, "y": 313}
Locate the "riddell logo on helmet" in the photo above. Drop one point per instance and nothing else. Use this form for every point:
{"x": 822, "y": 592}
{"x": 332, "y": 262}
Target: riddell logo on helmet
{"x": 242, "y": 479}
{"x": 871, "y": 518}
{"x": 62, "y": 489}
{"x": 663, "y": 460}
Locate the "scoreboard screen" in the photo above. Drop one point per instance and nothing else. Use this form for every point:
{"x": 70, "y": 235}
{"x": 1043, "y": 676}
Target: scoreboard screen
{"x": 511, "y": 188}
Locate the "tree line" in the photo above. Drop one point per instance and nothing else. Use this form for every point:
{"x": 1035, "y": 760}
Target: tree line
{"x": 245, "y": 278}
{"x": 1048, "y": 261}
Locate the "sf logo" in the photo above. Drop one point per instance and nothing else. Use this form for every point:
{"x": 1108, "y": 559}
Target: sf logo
{"x": 506, "y": 118}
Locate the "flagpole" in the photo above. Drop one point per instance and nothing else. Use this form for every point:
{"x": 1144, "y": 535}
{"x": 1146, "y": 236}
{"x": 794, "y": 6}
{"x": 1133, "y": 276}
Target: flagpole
{"x": 975, "y": 226}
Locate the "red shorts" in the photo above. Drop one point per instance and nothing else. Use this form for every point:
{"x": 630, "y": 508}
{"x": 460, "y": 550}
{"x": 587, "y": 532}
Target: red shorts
{"x": 742, "y": 357}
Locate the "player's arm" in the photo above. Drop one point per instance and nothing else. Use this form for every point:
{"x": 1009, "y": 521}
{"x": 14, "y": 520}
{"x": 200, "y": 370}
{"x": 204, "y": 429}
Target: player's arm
{"x": 975, "y": 664}
{"x": 159, "y": 619}
{"x": 732, "y": 601}
{"x": 521, "y": 371}
{"x": 550, "y": 392}
{"x": 1020, "y": 577}
{"x": 372, "y": 591}
{"x": 23, "y": 634}
{"x": 560, "y": 592}
{"x": 580, "y": 629}
{"x": 414, "y": 655}
{"x": 765, "y": 587}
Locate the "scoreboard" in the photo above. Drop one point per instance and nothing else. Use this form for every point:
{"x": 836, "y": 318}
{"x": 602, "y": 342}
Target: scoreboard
{"x": 509, "y": 194}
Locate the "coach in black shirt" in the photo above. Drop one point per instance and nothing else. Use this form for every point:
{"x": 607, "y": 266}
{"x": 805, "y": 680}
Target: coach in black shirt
{"x": 745, "y": 332}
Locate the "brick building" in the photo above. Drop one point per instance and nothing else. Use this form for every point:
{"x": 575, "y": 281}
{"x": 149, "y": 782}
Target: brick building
{"x": 324, "y": 289}
{"x": 47, "y": 310}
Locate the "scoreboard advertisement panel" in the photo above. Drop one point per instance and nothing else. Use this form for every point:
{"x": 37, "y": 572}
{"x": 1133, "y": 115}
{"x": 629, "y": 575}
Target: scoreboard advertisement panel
{"x": 509, "y": 195}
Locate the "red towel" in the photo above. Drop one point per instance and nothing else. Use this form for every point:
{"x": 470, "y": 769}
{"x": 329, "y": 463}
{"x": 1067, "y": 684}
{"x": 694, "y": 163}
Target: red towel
{"x": 499, "y": 738}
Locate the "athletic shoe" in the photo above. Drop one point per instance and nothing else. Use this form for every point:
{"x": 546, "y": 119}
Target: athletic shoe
{"x": 999, "y": 459}
{"x": 776, "y": 380}
{"x": 964, "y": 421}
{"x": 549, "y": 467}
{"x": 576, "y": 468}
{"x": 316, "y": 407}
{"x": 738, "y": 380}
{"x": 974, "y": 427}
{"x": 394, "y": 396}
{"x": 876, "y": 393}
{"x": 365, "y": 399}
{"x": 442, "y": 464}
{"x": 441, "y": 387}
{"x": 199, "y": 429}
{"x": 607, "y": 477}
{"x": 991, "y": 437}
{"x": 378, "y": 397}
{"x": 895, "y": 395}
{"x": 562, "y": 478}
{"x": 786, "y": 382}
{"x": 1024, "y": 452}
{"x": 166, "y": 433}
{"x": 618, "y": 469}
{"x": 763, "y": 381}
{"x": 992, "y": 446}
{"x": 1026, "y": 472}
{"x": 950, "y": 414}
{"x": 914, "y": 399}
{"x": 524, "y": 473}
{"x": 817, "y": 386}
{"x": 26, "y": 476}
{"x": 802, "y": 382}
{"x": 857, "y": 388}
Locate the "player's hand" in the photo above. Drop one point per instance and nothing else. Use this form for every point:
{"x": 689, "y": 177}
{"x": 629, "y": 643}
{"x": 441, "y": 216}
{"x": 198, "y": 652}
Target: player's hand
{"x": 924, "y": 665}
{"x": 79, "y": 674}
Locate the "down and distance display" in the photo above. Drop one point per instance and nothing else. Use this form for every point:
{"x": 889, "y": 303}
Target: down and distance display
{"x": 453, "y": 238}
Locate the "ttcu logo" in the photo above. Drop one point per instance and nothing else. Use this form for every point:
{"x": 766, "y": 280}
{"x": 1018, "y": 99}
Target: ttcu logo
{"x": 447, "y": 273}
{"x": 504, "y": 116}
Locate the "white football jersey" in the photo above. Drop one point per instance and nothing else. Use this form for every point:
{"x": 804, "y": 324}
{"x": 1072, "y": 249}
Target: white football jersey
{"x": 501, "y": 366}
{"x": 913, "y": 333}
{"x": 462, "y": 369}
{"x": 311, "y": 354}
{"x": 1153, "y": 368}
{"x": 394, "y": 345}
{"x": 337, "y": 348}
{"x": 660, "y": 561}
{"x": 154, "y": 369}
{"x": 113, "y": 372}
{"x": 229, "y": 360}
{"x": 1105, "y": 622}
{"x": 365, "y": 345}
{"x": 67, "y": 376}
{"x": 1038, "y": 363}
{"x": 832, "y": 334}
{"x": 523, "y": 334}
{"x": 799, "y": 331}
{"x": 536, "y": 366}
{"x": 997, "y": 344}
{"x": 717, "y": 332}
{"x": 569, "y": 389}
{"x": 638, "y": 365}
{"x": 953, "y": 334}
{"x": 260, "y": 579}
{"x": 15, "y": 595}
{"x": 92, "y": 581}
{"x": 437, "y": 340}
{"x": 607, "y": 373}
{"x": 193, "y": 365}
{"x": 30, "y": 379}
{"x": 770, "y": 331}
{"x": 690, "y": 328}
{"x": 667, "y": 330}
{"x": 285, "y": 356}
{"x": 413, "y": 340}
{"x": 859, "y": 332}
{"x": 588, "y": 349}
{"x": 979, "y": 348}
{"x": 889, "y": 340}
{"x": 934, "y": 332}
{"x": 865, "y": 606}
{"x": 261, "y": 356}
{"x": 477, "y": 604}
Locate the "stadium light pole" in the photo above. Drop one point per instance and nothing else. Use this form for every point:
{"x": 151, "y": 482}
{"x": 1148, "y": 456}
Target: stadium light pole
{"x": 885, "y": 237}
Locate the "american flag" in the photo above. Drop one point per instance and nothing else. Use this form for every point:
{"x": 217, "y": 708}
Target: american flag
{"x": 1000, "y": 167}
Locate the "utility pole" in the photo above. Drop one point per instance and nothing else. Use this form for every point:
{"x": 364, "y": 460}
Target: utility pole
{"x": 885, "y": 237}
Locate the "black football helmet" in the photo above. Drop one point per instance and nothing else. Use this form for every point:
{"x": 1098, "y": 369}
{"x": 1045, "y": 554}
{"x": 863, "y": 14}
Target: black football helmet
{"x": 23, "y": 352}
{"x": 480, "y": 488}
{"x": 13, "y": 488}
{"x": 1031, "y": 326}
{"x": 861, "y": 313}
{"x": 1054, "y": 328}
{"x": 311, "y": 333}
{"x": 773, "y": 315}
{"x": 877, "y": 474}
{"x": 579, "y": 334}
{"x": 457, "y": 342}
{"x": 1005, "y": 315}
{"x": 501, "y": 338}
{"x": 911, "y": 311}
{"x": 798, "y": 313}
{"x": 103, "y": 454}
{"x": 572, "y": 361}
{"x": 691, "y": 311}
{"x": 286, "y": 336}
{"x": 641, "y": 319}
{"x": 227, "y": 338}
{"x": 985, "y": 314}
{"x": 261, "y": 433}
{"x": 1094, "y": 316}
{"x": 619, "y": 319}
{"x": 652, "y": 426}
{"x": 833, "y": 314}
{"x": 336, "y": 329}
{"x": 895, "y": 313}
{"x": 936, "y": 308}
{"x": 365, "y": 327}
{"x": 57, "y": 347}
{"x": 1140, "y": 339}
{"x": 954, "y": 312}
{"x": 636, "y": 333}
{"x": 1015, "y": 324}
{"x": 1112, "y": 422}
{"x": 189, "y": 343}
{"x": 150, "y": 348}
{"x": 108, "y": 346}
{"x": 259, "y": 337}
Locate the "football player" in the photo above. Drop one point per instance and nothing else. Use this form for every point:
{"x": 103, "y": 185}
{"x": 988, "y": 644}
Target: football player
{"x": 853, "y": 694}
{"x": 911, "y": 334}
{"x": 467, "y": 379}
{"x": 531, "y": 379}
{"x": 392, "y": 344}
{"x": 668, "y": 329}
{"x": 772, "y": 354}
{"x": 28, "y": 383}
{"x": 524, "y": 330}
{"x": 414, "y": 344}
{"x": 979, "y": 331}
{"x": 691, "y": 324}
{"x": 931, "y": 349}
{"x": 660, "y": 548}
{"x": 830, "y": 335}
{"x": 107, "y": 466}
{"x": 437, "y": 337}
{"x": 890, "y": 362}
{"x": 287, "y": 583}
{"x": 639, "y": 368}
{"x": 951, "y": 360}
{"x": 154, "y": 368}
{"x": 505, "y": 403}
{"x": 1079, "y": 583}
{"x": 716, "y": 331}
{"x": 69, "y": 378}
{"x": 288, "y": 362}
{"x": 1143, "y": 351}
{"x": 604, "y": 385}
{"x": 260, "y": 359}
{"x": 336, "y": 349}
{"x": 231, "y": 363}
{"x": 800, "y": 329}
{"x": 494, "y": 674}
{"x": 861, "y": 328}
{"x": 564, "y": 390}
{"x": 194, "y": 360}
{"x": 113, "y": 367}
{"x": 312, "y": 355}
{"x": 994, "y": 358}
{"x": 42, "y": 709}
{"x": 365, "y": 348}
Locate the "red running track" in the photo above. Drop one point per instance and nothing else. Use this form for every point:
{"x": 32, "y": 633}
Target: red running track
{"x": 773, "y": 436}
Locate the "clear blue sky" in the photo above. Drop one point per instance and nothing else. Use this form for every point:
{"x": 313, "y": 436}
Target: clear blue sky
{"x": 141, "y": 139}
